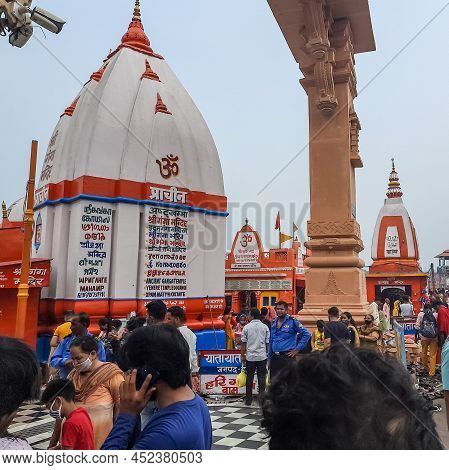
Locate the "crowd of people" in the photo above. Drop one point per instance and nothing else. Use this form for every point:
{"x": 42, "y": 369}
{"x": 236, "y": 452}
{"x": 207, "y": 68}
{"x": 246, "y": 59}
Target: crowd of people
{"x": 136, "y": 386}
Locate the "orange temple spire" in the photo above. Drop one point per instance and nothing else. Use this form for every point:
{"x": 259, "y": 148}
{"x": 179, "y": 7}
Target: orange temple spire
{"x": 394, "y": 186}
{"x": 135, "y": 38}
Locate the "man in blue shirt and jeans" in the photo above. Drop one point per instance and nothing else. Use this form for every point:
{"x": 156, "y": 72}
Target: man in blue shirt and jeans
{"x": 159, "y": 356}
{"x": 288, "y": 338}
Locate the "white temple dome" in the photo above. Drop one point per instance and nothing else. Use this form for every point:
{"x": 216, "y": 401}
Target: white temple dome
{"x": 394, "y": 234}
{"x": 132, "y": 113}
{"x": 130, "y": 206}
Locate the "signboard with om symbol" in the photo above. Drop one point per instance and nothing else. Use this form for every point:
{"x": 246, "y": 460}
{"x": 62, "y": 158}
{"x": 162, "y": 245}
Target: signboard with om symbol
{"x": 246, "y": 251}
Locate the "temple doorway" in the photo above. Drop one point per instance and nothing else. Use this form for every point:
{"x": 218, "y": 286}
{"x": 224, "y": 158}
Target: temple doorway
{"x": 393, "y": 292}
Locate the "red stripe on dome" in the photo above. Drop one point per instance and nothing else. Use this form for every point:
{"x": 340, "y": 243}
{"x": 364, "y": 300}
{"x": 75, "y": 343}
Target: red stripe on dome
{"x": 201, "y": 313}
{"x": 104, "y": 187}
{"x": 392, "y": 221}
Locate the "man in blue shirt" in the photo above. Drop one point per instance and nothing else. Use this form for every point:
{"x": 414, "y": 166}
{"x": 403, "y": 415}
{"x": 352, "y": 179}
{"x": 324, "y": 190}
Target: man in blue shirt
{"x": 288, "y": 338}
{"x": 181, "y": 420}
{"x": 61, "y": 358}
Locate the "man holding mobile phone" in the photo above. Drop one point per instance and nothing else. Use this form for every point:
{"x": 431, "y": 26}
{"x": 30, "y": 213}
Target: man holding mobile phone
{"x": 182, "y": 420}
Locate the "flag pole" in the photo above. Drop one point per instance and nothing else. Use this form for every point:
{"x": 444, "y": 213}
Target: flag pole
{"x": 28, "y": 220}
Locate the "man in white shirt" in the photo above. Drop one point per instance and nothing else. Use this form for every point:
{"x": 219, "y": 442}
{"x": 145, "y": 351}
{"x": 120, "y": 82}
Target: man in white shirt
{"x": 255, "y": 345}
{"x": 175, "y": 316}
{"x": 374, "y": 311}
{"x": 406, "y": 308}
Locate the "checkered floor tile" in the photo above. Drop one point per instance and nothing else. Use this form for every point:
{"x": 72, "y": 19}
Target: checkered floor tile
{"x": 234, "y": 427}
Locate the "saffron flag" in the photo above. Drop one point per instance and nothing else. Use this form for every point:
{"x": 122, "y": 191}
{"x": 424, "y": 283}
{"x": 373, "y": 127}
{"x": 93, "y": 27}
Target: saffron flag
{"x": 284, "y": 238}
{"x": 295, "y": 228}
{"x": 278, "y": 222}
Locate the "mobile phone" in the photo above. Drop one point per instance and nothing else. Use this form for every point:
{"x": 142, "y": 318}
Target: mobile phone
{"x": 142, "y": 374}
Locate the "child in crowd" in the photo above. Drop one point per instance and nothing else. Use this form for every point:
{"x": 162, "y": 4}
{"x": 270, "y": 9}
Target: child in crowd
{"x": 229, "y": 322}
{"x": 77, "y": 431}
{"x": 241, "y": 322}
{"x": 318, "y": 337}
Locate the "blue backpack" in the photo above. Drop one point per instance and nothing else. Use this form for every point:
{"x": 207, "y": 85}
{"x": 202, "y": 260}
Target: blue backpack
{"x": 429, "y": 327}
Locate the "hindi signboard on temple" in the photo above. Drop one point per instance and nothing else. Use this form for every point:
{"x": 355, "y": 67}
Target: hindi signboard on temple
{"x": 246, "y": 251}
{"x": 10, "y": 274}
{"x": 166, "y": 236}
{"x": 94, "y": 252}
{"x": 392, "y": 248}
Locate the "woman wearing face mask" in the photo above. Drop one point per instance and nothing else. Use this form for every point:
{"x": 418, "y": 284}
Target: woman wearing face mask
{"x": 97, "y": 386}
{"x": 346, "y": 319}
{"x": 370, "y": 335}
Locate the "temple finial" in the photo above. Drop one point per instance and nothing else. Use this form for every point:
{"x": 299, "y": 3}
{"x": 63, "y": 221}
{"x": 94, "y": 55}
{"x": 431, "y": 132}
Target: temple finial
{"x": 246, "y": 221}
{"x": 394, "y": 186}
{"x": 137, "y": 16}
{"x": 4, "y": 210}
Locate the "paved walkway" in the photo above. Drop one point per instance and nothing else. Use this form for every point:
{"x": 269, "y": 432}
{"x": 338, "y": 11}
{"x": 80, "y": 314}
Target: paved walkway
{"x": 234, "y": 426}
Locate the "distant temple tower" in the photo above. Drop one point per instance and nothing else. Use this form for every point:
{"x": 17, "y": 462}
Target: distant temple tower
{"x": 130, "y": 204}
{"x": 395, "y": 271}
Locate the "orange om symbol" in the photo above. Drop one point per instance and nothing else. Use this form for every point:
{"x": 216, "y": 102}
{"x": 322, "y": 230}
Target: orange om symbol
{"x": 245, "y": 240}
{"x": 168, "y": 166}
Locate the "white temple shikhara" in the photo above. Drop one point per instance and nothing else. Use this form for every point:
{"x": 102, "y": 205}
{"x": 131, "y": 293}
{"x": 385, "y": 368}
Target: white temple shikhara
{"x": 130, "y": 205}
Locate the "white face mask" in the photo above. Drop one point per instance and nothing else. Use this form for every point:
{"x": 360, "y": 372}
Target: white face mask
{"x": 56, "y": 414}
{"x": 84, "y": 366}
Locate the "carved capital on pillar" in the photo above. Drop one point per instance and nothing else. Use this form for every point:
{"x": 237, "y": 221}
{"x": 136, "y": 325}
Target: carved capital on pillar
{"x": 318, "y": 24}
{"x": 342, "y": 42}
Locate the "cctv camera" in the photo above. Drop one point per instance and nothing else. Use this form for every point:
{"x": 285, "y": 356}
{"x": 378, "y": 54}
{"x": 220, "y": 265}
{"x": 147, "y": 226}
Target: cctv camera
{"x": 47, "y": 20}
{"x": 21, "y": 36}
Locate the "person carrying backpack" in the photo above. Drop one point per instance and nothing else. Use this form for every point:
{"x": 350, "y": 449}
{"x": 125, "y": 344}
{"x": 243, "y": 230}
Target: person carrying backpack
{"x": 427, "y": 326}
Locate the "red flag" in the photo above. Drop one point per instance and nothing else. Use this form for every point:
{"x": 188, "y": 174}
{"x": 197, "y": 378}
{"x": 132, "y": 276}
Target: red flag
{"x": 278, "y": 222}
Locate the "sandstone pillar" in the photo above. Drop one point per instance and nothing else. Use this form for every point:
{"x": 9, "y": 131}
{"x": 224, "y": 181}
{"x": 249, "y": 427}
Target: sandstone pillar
{"x": 324, "y": 36}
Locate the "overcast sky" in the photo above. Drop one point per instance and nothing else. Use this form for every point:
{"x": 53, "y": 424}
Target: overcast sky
{"x": 235, "y": 63}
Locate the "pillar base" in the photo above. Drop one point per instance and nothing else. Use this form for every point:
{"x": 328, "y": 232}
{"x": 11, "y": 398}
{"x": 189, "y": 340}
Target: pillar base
{"x": 344, "y": 288}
